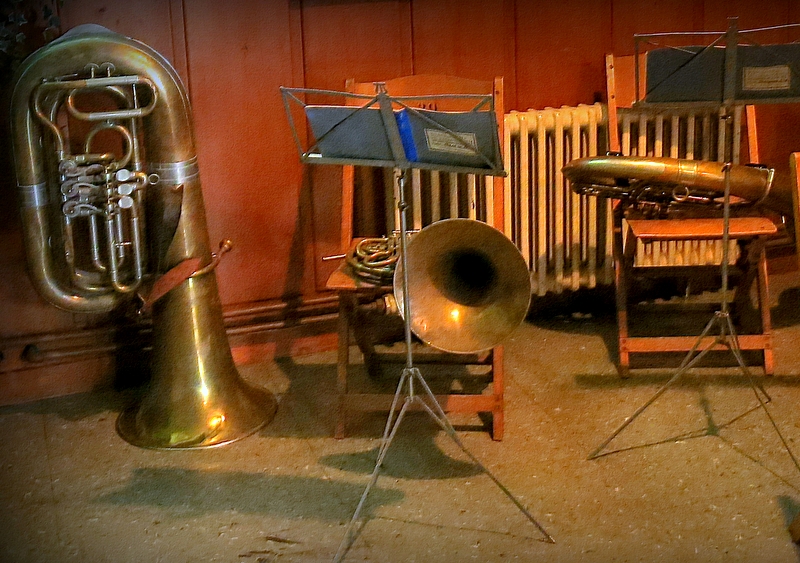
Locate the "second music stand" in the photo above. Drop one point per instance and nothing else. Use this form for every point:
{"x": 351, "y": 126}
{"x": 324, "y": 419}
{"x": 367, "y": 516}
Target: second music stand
{"x": 721, "y": 320}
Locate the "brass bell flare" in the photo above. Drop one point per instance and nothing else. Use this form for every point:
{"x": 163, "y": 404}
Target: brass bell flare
{"x": 468, "y": 285}
{"x": 196, "y": 397}
{"x": 184, "y": 418}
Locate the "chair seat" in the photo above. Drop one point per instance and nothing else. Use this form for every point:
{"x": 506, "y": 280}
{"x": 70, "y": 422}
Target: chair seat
{"x": 648, "y": 230}
{"x": 343, "y": 279}
{"x": 752, "y": 231}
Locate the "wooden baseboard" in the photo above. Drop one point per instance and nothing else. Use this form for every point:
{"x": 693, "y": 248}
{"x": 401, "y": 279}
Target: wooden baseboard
{"x": 56, "y": 380}
{"x": 36, "y": 367}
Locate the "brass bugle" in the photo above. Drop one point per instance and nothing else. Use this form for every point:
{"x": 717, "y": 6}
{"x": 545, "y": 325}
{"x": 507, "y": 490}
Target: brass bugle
{"x": 685, "y": 180}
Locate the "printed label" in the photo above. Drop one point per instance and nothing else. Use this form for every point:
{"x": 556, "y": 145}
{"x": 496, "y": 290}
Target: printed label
{"x": 443, "y": 141}
{"x": 766, "y": 78}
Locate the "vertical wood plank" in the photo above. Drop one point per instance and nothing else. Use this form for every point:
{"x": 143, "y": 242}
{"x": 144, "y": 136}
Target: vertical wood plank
{"x": 462, "y": 38}
{"x": 560, "y": 48}
{"x": 630, "y": 17}
{"x": 239, "y": 54}
{"x": 149, "y": 21}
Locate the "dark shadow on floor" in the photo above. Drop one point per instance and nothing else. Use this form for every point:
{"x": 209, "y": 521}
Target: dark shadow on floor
{"x": 305, "y": 412}
{"x": 593, "y": 311}
{"x": 413, "y": 454}
{"x": 790, "y": 508}
{"x": 595, "y": 304}
{"x": 787, "y": 313}
{"x": 585, "y": 311}
{"x": 189, "y": 493}
{"x": 308, "y": 406}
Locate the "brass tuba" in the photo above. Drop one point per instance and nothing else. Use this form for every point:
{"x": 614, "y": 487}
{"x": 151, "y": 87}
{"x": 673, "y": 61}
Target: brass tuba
{"x": 100, "y": 225}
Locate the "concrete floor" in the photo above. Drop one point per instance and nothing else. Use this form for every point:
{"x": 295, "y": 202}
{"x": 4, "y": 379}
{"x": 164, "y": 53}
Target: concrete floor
{"x": 72, "y": 490}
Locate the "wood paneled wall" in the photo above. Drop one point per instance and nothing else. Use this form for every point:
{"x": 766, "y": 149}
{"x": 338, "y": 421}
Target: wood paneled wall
{"x": 233, "y": 56}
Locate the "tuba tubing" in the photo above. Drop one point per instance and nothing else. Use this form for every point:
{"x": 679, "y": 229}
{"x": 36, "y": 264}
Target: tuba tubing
{"x": 758, "y": 185}
{"x": 170, "y": 149}
{"x": 196, "y": 397}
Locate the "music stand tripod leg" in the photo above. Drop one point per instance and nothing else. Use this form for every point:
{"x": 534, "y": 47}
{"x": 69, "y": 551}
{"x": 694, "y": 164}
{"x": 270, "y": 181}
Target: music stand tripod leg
{"x": 688, "y": 362}
{"x": 392, "y": 425}
{"x": 762, "y": 401}
{"x": 438, "y": 414}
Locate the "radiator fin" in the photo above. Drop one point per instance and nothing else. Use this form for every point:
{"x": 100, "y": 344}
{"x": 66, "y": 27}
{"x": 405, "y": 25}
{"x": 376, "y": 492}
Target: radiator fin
{"x": 565, "y": 238}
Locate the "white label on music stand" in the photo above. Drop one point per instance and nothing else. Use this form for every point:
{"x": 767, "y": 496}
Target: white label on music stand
{"x": 766, "y": 78}
{"x": 443, "y": 141}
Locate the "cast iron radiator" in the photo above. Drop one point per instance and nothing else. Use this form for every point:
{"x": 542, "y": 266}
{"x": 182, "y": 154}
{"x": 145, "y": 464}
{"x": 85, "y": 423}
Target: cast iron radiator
{"x": 565, "y": 238}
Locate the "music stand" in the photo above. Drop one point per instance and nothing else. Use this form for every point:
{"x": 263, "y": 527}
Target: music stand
{"x": 721, "y": 320}
{"x": 387, "y": 132}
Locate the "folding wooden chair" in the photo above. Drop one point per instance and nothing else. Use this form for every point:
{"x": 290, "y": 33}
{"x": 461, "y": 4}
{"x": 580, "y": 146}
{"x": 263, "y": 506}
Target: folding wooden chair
{"x": 368, "y": 197}
{"x": 686, "y": 247}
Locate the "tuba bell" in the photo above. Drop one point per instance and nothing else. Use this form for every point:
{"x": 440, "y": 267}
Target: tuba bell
{"x": 468, "y": 285}
{"x": 121, "y": 211}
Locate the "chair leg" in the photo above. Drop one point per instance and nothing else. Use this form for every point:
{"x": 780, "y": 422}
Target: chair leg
{"x": 498, "y": 384}
{"x": 754, "y": 262}
{"x": 342, "y": 363}
{"x": 763, "y": 304}
{"x": 621, "y": 272}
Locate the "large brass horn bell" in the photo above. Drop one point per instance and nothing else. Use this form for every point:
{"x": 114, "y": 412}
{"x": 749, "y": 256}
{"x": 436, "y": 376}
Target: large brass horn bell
{"x": 468, "y": 285}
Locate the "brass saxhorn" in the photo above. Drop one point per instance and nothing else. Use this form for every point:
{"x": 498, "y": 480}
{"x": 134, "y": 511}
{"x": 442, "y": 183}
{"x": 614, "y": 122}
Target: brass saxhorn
{"x": 468, "y": 285}
{"x": 663, "y": 183}
{"x": 102, "y": 222}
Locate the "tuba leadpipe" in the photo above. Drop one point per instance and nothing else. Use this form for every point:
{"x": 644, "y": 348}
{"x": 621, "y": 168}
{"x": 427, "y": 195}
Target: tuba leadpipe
{"x": 100, "y": 225}
{"x": 674, "y": 181}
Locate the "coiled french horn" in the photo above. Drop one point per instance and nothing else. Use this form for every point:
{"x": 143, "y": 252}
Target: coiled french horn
{"x": 101, "y": 224}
